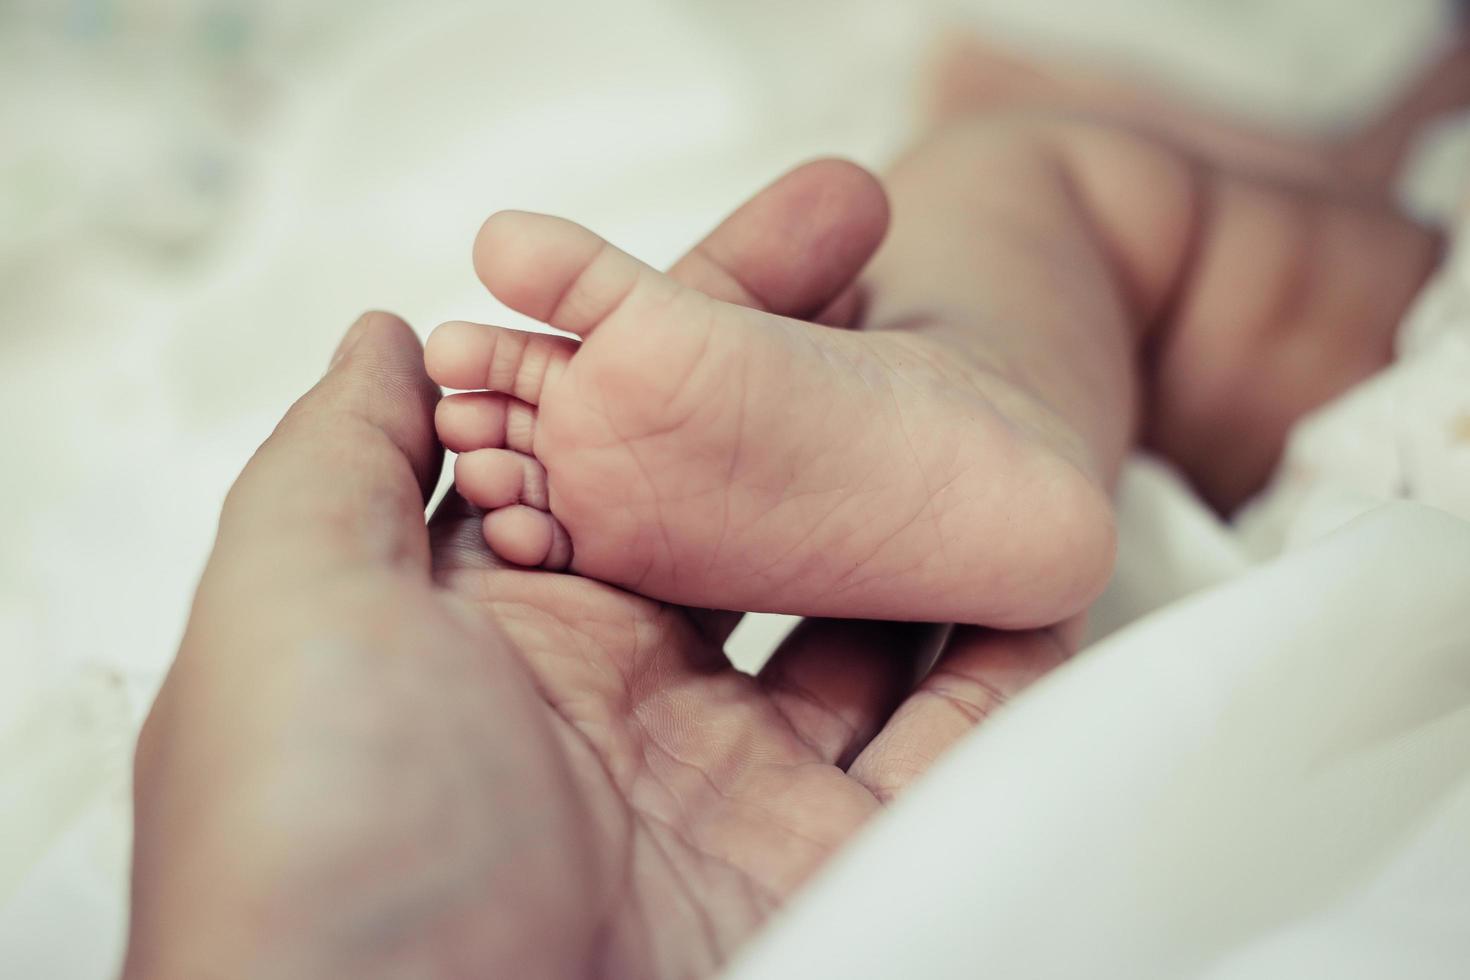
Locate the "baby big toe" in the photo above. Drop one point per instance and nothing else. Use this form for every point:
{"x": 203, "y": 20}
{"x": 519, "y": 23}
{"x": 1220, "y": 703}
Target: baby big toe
{"x": 562, "y": 274}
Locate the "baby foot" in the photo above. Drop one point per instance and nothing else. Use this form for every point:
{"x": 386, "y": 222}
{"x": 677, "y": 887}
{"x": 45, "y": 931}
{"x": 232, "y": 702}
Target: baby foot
{"x": 712, "y": 455}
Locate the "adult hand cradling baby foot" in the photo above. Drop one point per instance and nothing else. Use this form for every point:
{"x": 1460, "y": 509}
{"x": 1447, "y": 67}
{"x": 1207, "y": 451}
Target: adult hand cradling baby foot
{"x": 381, "y": 752}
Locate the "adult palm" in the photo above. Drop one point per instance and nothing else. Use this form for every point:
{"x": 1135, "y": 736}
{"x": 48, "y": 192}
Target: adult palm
{"x": 381, "y": 753}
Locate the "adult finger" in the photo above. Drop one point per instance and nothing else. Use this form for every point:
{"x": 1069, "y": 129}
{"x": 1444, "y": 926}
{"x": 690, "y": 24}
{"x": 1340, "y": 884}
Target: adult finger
{"x": 979, "y": 671}
{"x": 341, "y": 483}
{"x": 797, "y": 245}
{"x": 837, "y": 680}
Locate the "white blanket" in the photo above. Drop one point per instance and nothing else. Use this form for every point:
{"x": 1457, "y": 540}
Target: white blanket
{"x": 1270, "y": 779}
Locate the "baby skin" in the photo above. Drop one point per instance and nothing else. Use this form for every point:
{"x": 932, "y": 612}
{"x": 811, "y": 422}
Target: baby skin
{"x": 950, "y": 461}
{"x": 711, "y": 454}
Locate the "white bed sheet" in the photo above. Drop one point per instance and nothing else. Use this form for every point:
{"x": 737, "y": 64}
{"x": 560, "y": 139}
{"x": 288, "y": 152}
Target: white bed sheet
{"x": 1269, "y": 779}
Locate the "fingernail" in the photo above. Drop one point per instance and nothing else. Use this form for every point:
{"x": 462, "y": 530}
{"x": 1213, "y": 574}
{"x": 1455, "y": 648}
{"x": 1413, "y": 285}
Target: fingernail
{"x": 349, "y": 340}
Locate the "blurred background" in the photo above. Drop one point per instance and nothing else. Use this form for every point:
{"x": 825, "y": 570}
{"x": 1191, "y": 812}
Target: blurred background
{"x": 198, "y": 196}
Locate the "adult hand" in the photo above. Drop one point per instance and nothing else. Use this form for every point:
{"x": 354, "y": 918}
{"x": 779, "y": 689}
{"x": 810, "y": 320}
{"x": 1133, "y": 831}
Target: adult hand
{"x": 379, "y": 753}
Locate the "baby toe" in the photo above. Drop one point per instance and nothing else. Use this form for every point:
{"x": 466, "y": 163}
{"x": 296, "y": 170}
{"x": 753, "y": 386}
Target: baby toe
{"x": 457, "y": 354}
{"x": 473, "y": 420}
{"x": 492, "y": 478}
{"x": 477, "y": 355}
{"x": 526, "y": 536}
